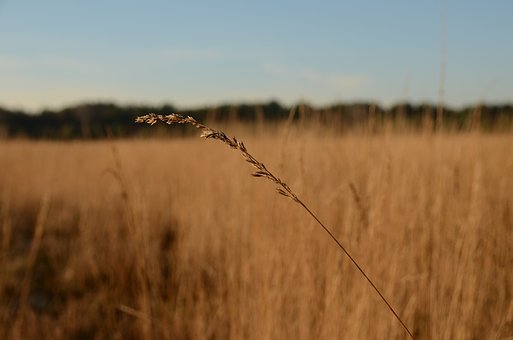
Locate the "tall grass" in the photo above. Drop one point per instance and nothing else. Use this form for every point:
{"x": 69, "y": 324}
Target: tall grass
{"x": 429, "y": 216}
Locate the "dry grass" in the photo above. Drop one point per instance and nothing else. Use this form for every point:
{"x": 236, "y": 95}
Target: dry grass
{"x": 172, "y": 240}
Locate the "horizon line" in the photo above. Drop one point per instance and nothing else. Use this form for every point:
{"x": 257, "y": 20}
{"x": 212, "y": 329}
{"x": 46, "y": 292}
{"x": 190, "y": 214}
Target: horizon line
{"x": 283, "y": 103}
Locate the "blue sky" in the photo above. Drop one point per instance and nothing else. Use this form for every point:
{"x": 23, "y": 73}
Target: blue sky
{"x": 55, "y": 53}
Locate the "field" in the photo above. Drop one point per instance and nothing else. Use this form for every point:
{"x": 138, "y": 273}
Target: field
{"x": 172, "y": 239}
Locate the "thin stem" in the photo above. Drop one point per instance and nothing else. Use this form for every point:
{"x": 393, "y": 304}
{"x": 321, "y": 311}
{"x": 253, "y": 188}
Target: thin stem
{"x": 357, "y": 266}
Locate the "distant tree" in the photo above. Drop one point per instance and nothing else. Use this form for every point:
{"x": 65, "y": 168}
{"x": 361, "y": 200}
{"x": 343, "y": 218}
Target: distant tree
{"x": 97, "y": 120}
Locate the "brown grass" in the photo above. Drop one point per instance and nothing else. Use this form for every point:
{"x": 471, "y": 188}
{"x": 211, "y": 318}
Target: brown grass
{"x": 209, "y": 254}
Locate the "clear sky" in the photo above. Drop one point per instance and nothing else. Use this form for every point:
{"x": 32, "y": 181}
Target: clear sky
{"x": 190, "y": 53}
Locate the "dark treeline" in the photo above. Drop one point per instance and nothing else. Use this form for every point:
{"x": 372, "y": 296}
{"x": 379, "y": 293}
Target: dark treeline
{"x": 98, "y": 120}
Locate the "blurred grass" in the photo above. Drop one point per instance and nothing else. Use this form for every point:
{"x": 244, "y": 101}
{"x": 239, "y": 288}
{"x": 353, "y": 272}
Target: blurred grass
{"x": 176, "y": 231}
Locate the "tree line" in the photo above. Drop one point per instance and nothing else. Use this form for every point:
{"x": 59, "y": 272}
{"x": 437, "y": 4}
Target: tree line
{"x": 100, "y": 120}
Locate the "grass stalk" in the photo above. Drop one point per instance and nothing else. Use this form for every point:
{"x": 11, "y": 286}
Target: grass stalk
{"x": 262, "y": 171}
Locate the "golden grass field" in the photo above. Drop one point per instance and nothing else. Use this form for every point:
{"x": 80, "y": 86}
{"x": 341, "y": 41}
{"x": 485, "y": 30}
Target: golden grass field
{"x": 172, "y": 239}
